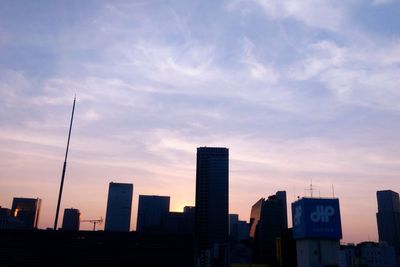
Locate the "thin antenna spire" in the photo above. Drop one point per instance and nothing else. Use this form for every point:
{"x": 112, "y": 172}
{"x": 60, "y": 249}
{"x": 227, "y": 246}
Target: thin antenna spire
{"x": 333, "y": 191}
{"x": 311, "y": 189}
{"x": 64, "y": 166}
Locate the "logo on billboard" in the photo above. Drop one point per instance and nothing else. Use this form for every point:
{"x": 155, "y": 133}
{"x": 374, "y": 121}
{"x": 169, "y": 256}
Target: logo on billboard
{"x": 297, "y": 215}
{"x": 322, "y": 214}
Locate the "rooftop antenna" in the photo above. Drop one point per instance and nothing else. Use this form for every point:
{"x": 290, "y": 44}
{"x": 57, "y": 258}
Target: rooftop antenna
{"x": 311, "y": 189}
{"x": 333, "y": 191}
{"x": 64, "y": 166}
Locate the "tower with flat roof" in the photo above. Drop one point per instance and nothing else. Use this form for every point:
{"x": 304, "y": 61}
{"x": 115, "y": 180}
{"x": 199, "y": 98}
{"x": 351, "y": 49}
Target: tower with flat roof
{"x": 26, "y": 211}
{"x": 119, "y": 206}
{"x": 211, "y": 218}
{"x": 388, "y": 218}
{"x": 71, "y": 220}
{"x": 150, "y": 212}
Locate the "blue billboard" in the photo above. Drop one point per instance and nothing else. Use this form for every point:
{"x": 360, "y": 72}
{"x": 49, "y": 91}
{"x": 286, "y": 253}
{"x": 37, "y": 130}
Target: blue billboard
{"x": 316, "y": 218}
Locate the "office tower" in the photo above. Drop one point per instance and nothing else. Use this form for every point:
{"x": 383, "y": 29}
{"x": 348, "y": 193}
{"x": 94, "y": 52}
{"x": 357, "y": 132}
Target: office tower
{"x": 119, "y": 206}
{"x": 26, "y": 210}
{"x": 211, "y": 219}
{"x": 268, "y": 221}
{"x": 388, "y": 218}
{"x": 71, "y": 220}
{"x": 317, "y": 230}
{"x": 150, "y": 212}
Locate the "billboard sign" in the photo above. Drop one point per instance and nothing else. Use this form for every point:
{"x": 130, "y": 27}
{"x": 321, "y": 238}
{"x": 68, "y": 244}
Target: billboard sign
{"x": 316, "y": 218}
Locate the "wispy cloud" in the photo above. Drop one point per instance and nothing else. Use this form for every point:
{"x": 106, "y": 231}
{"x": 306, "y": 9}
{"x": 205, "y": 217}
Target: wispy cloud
{"x": 381, "y": 2}
{"x": 328, "y": 15}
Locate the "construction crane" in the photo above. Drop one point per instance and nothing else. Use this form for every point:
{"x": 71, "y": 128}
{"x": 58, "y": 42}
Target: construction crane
{"x": 98, "y": 221}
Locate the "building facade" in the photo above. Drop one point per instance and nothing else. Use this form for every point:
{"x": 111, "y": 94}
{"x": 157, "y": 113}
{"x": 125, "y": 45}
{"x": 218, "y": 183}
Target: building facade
{"x": 268, "y": 221}
{"x": 211, "y": 216}
{"x": 119, "y": 207}
{"x": 369, "y": 254}
{"x": 388, "y": 218}
{"x": 150, "y": 213}
{"x": 26, "y": 211}
{"x": 71, "y": 220}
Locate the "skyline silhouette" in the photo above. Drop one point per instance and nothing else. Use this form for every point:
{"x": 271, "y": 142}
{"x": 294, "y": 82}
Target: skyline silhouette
{"x": 130, "y": 201}
{"x": 297, "y": 91}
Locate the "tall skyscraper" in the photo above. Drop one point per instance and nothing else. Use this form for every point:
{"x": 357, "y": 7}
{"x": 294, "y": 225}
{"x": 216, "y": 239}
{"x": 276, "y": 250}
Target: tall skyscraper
{"x": 211, "y": 218}
{"x": 150, "y": 212}
{"x": 268, "y": 221}
{"x": 388, "y": 218}
{"x": 119, "y": 206}
{"x": 71, "y": 220}
{"x": 26, "y": 210}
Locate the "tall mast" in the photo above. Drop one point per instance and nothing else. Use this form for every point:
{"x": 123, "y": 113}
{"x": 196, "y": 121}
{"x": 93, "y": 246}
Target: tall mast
{"x": 64, "y": 167}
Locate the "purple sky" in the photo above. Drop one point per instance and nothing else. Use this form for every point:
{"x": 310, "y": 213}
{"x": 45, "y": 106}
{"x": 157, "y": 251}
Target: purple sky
{"x": 297, "y": 90}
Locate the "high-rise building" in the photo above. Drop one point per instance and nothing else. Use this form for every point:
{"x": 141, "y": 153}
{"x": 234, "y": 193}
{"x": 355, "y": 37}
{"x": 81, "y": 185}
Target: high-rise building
{"x": 388, "y": 218}
{"x": 268, "y": 221}
{"x": 211, "y": 218}
{"x": 150, "y": 212}
{"x": 26, "y": 210}
{"x": 119, "y": 206}
{"x": 71, "y": 220}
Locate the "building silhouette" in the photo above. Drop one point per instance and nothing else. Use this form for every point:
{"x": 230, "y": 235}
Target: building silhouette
{"x": 119, "y": 206}
{"x": 268, "y": 221}
{"x": 44, "y": 248}
{"x": 5, "y": 218}
{"x": 388, "y": 218}
{"x": 71, "y": 220}
{"x": 239, "y": 246}
{"x": 26, "y": 212}
{"x": 189, "y": 209}
{"x": 238, "y": 229}
{"x": 369, "y": 254}
{"x": 211, "y": 218}
{"x": 150, "y": 213}
{"x": 179, "y": 222}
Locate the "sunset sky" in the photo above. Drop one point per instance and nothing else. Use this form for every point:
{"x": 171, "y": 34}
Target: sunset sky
{"x": 297, "y": 90}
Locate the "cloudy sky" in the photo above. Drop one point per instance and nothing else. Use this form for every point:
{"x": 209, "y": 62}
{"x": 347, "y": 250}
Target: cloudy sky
{"x": 297, "y": 90}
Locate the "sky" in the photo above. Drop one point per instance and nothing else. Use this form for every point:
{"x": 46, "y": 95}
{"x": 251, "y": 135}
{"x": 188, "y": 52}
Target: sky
{"x": 299, "y": 91}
